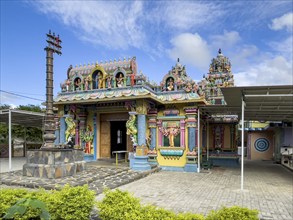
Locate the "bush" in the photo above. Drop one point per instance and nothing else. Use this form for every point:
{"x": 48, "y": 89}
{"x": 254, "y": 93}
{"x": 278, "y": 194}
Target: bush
{"x": 233, "y": 213}
{"x": 9, "y": 197}
{"x": 121, "y": 205}
{"x": 71, "y": 203}
{"x": 28, "y": 208}
{"x": 68, "y": 203}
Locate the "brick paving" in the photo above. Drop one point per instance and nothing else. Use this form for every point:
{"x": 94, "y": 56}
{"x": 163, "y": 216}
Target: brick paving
{"x": 268, "y": 187}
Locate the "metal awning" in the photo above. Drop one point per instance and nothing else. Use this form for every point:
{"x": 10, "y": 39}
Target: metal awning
{"x": 21, "y": 117}
{"x": 262, "y": 103}
{"x": 254, "y": 103}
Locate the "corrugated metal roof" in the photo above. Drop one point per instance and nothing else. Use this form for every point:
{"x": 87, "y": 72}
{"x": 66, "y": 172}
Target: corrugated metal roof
{"x": 262, "y": 103}
{"x": 21, "y": 117}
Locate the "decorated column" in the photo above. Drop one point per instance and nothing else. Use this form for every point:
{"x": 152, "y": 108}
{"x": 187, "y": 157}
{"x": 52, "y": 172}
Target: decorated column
{"x": 82, "y": 128}
{"x": 160, "y": 136}
{"x": 191, "y": 156}
{"x": 76, "y": 132}
{"x": 141, "y": 109}
{"x": 141, "y": 158}
{"x": 182, "y": 133}
{"x": 62, "y": 130}
{"x": 95, "y": 136}
{"x": 57, "y": 130}
{"x": 191, "y": 114}
{"x": 152, "y": 123}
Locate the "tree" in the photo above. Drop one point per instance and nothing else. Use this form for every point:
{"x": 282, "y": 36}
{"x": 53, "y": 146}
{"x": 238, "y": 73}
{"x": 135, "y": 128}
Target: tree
{"x": 32, "y": 134}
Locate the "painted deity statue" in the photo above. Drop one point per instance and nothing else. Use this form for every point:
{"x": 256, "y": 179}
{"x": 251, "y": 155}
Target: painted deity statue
{"x": 87, "y": 136}
{"x": 171, "y": 133}
{"x": 101, "y": 80}
{"x": 131, "y": 128}
{"x": 70, "y": 131}
{"x": 170, "y": 86}
{"x": 120, "y": 80}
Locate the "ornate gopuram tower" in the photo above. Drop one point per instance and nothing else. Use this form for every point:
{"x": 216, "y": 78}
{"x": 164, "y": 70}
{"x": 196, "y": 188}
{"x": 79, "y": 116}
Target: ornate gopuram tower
{"x": 220, "y": 128}
{"x": 52, "y": 161}
{"x": 219, "y": 76}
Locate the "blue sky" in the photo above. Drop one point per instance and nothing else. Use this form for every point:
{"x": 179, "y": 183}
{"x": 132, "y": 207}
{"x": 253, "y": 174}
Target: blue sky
{"x": 255, "y": 35}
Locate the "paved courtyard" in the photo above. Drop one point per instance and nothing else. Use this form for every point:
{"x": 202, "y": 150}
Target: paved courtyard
{"x": 268, "y": 187}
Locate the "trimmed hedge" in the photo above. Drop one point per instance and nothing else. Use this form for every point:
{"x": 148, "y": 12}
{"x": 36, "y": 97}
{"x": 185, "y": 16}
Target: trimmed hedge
{"x": 233, "y": 213}
{"x": 72, "y": 203}
{"x": 121, "y": 205}
{"x": 69, "y": 203}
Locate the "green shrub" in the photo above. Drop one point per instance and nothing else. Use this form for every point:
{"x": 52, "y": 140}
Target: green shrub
{"x": 233, "y": 213}
{"x": 190, "y": 216}
{"x": 9, "y": 197}
{"x": 151, "y": 212}
{"x": 28, "y": 208}
{"x": 68, "y": 203}
{"x": 121, "y": 205}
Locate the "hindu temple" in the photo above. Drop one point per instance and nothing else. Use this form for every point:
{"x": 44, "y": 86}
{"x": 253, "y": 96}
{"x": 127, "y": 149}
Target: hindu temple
{"x": 109, "y": 107}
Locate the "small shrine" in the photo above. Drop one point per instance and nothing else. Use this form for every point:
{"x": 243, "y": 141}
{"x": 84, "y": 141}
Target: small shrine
{"x": 105, "y": 107}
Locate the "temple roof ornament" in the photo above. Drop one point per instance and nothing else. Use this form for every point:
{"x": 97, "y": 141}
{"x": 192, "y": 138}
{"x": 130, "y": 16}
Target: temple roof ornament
{"x": 120, "y": 79}
{"x": 219, "y": 76}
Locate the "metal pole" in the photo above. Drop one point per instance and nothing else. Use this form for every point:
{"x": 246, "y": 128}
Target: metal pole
{"x": 9, "y": 139}
{"x": 198, "y": 140}
{"x": 242, "y": 143}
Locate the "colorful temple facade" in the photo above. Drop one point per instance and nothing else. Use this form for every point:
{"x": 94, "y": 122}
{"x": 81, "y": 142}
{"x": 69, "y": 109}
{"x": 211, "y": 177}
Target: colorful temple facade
{"x": 108, "y": 107}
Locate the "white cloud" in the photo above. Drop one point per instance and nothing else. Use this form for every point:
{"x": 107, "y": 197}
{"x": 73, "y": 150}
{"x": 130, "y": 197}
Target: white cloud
{"x": 225, "y": 40}
{"x": 275, "y": 71}
{"x": 184, "y": 15}
{"x": 100, "y": 22}
{"x": 285, "y": 21}
{"x": 191, "y": 49}
{"x": 284, "y": 48}
{"x": 124, "y": 24}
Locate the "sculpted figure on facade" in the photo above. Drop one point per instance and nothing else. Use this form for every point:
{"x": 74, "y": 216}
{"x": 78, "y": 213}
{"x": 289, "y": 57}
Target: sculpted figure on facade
{"x": 131, "y": 128}
{"x": 87, "y": 136}
{"x": 70, "y": 131}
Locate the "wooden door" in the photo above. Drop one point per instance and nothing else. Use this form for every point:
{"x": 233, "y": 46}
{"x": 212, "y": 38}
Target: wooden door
{"x": 105, "y": 140}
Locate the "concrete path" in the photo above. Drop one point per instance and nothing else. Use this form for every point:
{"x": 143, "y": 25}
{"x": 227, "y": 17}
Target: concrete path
{"x": 268, "y": 187}
{"x": 16, "y": 164}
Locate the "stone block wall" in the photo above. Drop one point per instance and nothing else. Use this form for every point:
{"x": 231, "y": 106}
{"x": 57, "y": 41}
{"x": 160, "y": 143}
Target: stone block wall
{"x": 53, "y": 163}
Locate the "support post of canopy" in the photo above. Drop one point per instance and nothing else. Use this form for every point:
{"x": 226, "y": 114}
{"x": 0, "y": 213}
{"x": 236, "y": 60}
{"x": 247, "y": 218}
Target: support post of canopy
{"x": 242, "y": 143}
{"x": 198, "y": 140}
{"x": 9, "y": 138}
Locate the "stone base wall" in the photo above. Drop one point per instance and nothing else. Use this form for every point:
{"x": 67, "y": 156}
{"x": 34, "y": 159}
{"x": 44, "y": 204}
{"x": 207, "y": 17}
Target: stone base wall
{"x": 53, "y": 163}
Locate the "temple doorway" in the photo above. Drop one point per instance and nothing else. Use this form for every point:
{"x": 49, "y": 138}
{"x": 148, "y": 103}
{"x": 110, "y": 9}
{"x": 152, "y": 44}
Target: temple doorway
{"x": 118, "y": 136}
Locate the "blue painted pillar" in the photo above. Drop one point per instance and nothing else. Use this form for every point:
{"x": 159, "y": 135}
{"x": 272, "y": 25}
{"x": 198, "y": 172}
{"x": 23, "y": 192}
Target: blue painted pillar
{"x": 153, "y": 138}
{"x": 141, "y": 129}
{"x": 57, "y": 135}
{"x": 191, "y": 138}
{"x": 62, "y": 130}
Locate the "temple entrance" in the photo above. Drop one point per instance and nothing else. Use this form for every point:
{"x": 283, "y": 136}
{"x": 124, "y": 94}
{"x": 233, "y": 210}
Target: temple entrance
{"x": 118, "y": 136}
